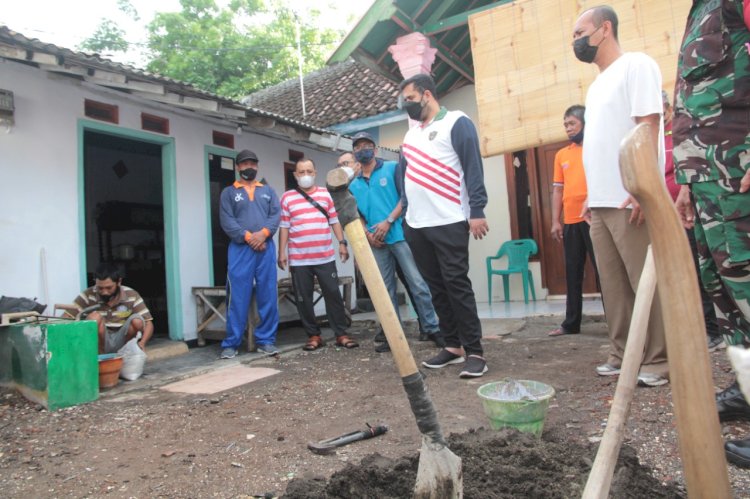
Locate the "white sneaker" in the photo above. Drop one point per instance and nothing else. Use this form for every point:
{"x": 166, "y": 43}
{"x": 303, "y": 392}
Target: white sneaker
{"x": 648, "y": 379}
{"x": 607, "y": 370}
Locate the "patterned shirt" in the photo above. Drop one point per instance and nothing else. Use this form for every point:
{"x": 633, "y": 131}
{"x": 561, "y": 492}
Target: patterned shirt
{"x": 129, "y": 302}
{"x": 442, "y": 172}
{"x": 711, "y": 125}
{"x": 309, "y": 231}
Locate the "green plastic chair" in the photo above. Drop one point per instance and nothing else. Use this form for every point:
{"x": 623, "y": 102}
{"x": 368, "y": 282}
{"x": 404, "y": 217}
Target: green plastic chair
{"x": 518, "y": 252}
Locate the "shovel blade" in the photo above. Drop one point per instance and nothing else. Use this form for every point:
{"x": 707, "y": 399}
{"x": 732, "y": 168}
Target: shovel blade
{"x": 439, "y": 475}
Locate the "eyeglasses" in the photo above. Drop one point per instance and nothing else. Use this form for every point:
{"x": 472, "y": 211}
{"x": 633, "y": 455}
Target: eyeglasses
{"x": 344, "y": 163}
{"x": 366, "y": 145}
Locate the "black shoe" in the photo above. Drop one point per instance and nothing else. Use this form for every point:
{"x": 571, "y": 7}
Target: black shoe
{"x": 383, "y": 347}
{"x": 738, "y": 452}
{"x": 442, "y": 359}
{"x": 732, "y": 405}
{"x": 475, "y": 367}
{"x": 380, "y": 337}
{"x": 436, "y": 338}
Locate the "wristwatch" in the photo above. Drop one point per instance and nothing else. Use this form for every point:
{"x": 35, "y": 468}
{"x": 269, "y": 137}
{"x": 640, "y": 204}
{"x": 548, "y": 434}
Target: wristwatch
{"x": 390, "y": 220}
{"x": 343, "y": 241}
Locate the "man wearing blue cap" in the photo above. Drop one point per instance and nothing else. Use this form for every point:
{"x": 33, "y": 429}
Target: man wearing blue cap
{"x": 249, "y": 214}
{"x": 378, "y": 196}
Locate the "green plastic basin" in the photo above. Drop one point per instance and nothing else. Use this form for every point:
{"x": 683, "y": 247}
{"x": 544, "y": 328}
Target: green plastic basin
{"x": 526, "y": 413}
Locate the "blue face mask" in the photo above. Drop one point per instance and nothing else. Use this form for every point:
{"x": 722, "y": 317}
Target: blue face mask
{"x": 364, "y": 156}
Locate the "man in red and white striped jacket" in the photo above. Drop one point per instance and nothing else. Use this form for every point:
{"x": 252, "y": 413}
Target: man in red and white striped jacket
{"x": 307, "y": 217}
{"x": 444, "y": 199}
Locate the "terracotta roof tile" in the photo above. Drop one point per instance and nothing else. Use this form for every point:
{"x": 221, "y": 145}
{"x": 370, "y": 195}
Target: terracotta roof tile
{"x": 335, "y": 94}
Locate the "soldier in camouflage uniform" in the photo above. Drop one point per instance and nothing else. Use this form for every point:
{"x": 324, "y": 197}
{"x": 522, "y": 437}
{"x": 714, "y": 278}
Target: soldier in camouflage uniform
{"x": 711, "y": 131}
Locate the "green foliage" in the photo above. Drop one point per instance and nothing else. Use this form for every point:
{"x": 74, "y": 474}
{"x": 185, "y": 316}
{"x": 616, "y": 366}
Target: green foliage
{"x": 127, "y": 8}
{"x": 107, "y": 37}
{"x": 234, "y": 51}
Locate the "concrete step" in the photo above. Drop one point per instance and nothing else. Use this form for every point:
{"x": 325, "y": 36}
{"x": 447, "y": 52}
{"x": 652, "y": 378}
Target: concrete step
{"x": 164, "y": 348}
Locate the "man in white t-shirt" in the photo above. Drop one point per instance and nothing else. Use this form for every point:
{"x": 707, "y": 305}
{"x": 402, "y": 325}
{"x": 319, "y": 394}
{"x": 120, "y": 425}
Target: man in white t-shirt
{"x": 626, "y": 92}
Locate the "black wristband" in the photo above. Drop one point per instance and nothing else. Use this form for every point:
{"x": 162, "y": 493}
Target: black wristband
{"x": 344, "y": 242}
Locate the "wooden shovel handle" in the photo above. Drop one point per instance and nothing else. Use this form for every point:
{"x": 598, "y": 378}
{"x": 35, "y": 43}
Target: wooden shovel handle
{"x": 381, "y": 299}
{"x": 699, "y": 435}
{"x": 600, "y": 478}
{"x": 419, "y": 398}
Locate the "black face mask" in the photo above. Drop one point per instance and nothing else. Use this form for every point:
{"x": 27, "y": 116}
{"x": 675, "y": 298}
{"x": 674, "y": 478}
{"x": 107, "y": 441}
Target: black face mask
{"x": 107, "y": 298}
{"x": 364, "y": 156}
{"x": 583, "y": 51}
{"x": 413, "y": 109}
{"x": 248, "y": 174}
{"x": 577, "y": 138}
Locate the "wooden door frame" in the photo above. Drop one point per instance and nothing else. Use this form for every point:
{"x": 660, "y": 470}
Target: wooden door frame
{"x": 169, "y": 201}
{"x": 536, "y": 218}
{"x": 537, "y": 224}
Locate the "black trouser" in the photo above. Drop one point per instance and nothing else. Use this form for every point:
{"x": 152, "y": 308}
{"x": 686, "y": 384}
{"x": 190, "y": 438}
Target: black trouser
{"x": 302, "y": 280}
{"x": 709, "y": 314}
{"x": 442, "y": 257}
{"x": 577, "y": 244}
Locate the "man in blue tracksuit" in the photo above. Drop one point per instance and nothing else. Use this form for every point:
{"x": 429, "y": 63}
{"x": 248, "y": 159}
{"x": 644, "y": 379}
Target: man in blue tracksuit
{"x": 249, "y": 213}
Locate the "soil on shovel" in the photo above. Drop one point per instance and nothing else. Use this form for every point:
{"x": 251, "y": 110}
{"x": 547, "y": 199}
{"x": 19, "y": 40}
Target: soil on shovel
{"x": 496, "y": 465}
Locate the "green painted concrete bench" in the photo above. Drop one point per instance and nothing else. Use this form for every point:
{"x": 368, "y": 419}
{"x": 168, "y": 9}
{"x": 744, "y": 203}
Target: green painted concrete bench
{"x": 52, "y": 363}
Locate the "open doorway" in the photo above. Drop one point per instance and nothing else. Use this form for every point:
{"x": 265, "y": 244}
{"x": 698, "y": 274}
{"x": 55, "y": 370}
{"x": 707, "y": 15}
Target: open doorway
{"x": 220, "y": 175}
{"x": 529, "y": 176}
{"x": 124, "y": 215}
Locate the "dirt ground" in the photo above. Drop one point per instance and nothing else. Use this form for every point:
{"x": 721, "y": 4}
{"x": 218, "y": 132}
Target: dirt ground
{"x": 251, "y": 441}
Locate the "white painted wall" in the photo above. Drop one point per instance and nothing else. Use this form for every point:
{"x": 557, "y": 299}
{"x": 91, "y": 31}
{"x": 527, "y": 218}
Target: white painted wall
{"x": 497, "y": 211}
{"x": 39, "y": 197}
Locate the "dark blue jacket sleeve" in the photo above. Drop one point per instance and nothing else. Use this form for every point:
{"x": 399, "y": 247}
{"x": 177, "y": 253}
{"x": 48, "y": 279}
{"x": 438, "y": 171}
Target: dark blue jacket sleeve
{"x": 466, "y": 144}
{"x": 274, "y": 213}
{"x": 400, "y": 173}
{"x": 228, "y": 219}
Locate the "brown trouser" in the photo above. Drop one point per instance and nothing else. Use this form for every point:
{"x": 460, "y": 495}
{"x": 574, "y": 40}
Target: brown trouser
{"x": 620, "y": 249}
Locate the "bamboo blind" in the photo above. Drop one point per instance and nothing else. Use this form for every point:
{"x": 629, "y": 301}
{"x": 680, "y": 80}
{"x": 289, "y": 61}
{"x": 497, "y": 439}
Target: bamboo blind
{"x": 527, "y": 75}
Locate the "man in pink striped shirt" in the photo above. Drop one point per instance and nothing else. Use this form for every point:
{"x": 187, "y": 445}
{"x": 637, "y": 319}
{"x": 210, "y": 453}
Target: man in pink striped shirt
{"x": 307, "y": 217}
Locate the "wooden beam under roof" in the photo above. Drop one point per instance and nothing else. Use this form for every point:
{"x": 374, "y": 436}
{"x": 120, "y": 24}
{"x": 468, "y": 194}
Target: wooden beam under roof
{"x": 142, "y": 87}
{"x": 381, "y": 10}
{"x": 202, "y": 104}
{"x": 457, "y": 20}
{"x": 447, "y": 55}
{"x": 441, "y": 9}
{"x": 420, "y": 9}
{"x": 43, "y": 58}
{"x": 13, "y": 53}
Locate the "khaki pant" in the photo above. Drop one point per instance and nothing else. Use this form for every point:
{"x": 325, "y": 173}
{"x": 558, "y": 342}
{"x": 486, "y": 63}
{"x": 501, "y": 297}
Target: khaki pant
{"x": 620, "y": 250}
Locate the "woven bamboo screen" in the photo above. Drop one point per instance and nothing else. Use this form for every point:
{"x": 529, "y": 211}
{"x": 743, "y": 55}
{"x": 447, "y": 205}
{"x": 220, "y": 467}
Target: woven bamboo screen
{"x": 526, "y": 73}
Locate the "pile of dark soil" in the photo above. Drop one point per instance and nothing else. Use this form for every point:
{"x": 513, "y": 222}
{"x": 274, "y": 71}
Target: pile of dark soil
{"x": 496, "y": 465}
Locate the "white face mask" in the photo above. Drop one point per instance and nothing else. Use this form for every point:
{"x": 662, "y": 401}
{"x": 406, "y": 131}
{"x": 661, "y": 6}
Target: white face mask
{"x": 349, "y": 172}
{"x": 306, "y": 181}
